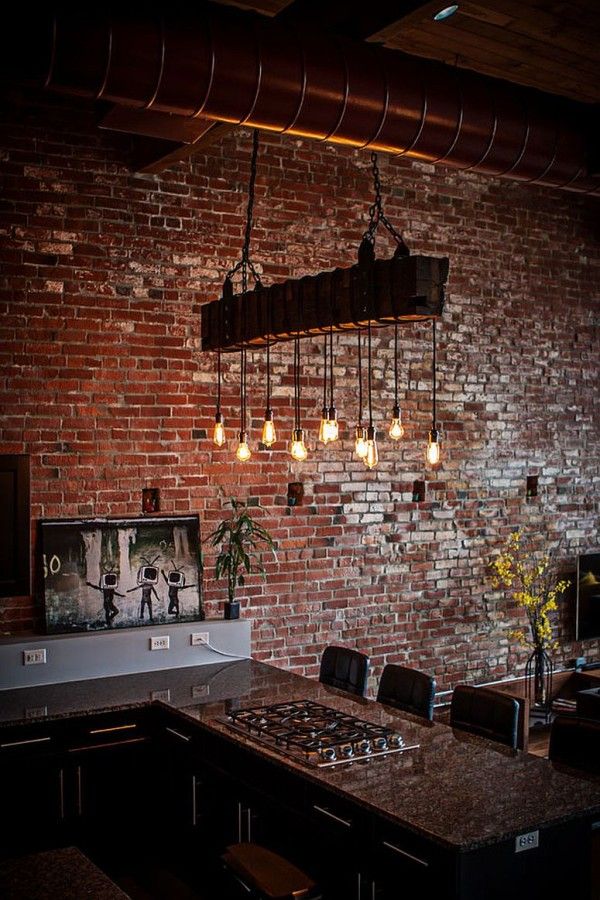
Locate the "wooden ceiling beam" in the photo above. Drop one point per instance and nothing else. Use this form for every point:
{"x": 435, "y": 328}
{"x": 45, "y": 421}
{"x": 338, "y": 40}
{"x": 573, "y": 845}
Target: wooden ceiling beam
{"x": 348, "y": 20}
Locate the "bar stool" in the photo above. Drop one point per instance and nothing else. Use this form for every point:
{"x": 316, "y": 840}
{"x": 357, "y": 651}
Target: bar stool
{"x": 408, "y": 690}
{"x": 486, "y": 713}
{"x": 344, "y": 669}
{"x": 267, "y": 876}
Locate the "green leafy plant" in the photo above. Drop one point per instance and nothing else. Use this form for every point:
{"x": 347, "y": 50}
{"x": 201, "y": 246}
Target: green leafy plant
{"x": 239, "y": 537}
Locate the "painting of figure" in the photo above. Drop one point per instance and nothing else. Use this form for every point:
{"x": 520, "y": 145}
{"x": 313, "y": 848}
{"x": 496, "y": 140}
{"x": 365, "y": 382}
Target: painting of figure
{"x": 87, "y": 564}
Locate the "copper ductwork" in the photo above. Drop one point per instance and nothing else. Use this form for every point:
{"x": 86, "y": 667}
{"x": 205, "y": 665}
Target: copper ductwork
{"x": 230, "y": 66}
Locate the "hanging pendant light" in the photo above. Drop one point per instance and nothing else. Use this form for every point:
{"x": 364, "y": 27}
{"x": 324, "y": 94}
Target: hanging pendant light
{"x": 333, "y": 431}
{"x": 324, "y": 424}
{"x": 433, "y": 442}
{"x": 243, "y": 452}
{"x": 219, "y": 428}
{"x": 269, "y": 435}
{"x": 297, "y": 446}
{"x": 360, "y": 432}
{"x": 372, "y": 455}
{"x": 396, "y": 430}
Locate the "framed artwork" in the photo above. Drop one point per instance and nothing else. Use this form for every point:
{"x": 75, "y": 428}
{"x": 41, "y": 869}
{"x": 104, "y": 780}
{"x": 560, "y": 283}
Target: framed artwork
{"x": 119, "y": 573}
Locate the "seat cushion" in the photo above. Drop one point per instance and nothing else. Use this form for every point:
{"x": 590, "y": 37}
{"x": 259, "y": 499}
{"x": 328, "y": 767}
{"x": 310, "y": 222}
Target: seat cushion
{"x": 268, "y": 873}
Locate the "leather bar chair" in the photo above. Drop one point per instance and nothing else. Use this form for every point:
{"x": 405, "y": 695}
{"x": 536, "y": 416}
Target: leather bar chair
{"x": 575, "y": 742}
{"x": 265, "y": 875}
{"x": 486, "y": 713}
{"x": 407, "y": 689}
{"x": 344, "y": 669}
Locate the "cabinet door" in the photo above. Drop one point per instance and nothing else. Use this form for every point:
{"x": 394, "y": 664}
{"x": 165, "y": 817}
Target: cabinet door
{"x": 32, "y": 790}
{"x": 402, "y": 861}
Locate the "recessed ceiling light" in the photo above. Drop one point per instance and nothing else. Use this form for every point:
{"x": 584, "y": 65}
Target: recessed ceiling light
{"x": 445, "y": 13}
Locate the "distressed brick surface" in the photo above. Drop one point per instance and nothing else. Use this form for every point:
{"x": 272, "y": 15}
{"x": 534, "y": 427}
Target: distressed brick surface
{"x": 104, "y": 274}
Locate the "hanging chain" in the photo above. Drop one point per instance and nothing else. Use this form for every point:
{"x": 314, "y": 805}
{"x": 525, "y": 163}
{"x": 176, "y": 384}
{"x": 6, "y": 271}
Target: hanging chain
{"x": 377, "y": 215}
{"x": 245, "y": 264}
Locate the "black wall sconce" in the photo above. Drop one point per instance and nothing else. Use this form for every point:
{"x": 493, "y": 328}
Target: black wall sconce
{"x": 532, "y": 486}
{"x": 150, "y": 500}
{"x": 418, "y": 492}
{"x": 295, "y": 493}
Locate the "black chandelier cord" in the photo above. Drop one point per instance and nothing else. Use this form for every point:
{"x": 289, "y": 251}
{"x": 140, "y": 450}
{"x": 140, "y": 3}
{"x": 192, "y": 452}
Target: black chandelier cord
{"x": 396, "y": 364}
{"x": 270, "y": 326}
{"x": 219, "y": 380}
{"x": 377, "y": 215}
{"x": 324, "y": 371}
{"x": 331, "y": 365}
{"x": 369, "y": 373}
{"x": 434, "y": 372}
{"x": 360, "y": 387}
{"x": 296, "y": 383}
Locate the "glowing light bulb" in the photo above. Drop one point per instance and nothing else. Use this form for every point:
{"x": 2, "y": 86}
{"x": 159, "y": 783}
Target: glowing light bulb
{"x": 324, "y": 426}
{"x": 219, "y": 430}
{"x": 372, "y": 457}
{"x": 433, "y": 447}
{"x": 333, "y": 430}
{"x": 268, "y": 431}
{"x": 396, "y": 427}
{"x": 243, "y": 450}
{"x": 360, "y": 442}
{"x": 297, "y": 446}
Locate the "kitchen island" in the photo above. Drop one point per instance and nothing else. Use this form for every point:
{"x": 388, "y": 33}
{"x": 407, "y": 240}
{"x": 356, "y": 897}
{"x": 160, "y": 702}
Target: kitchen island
{"x": 458, "y": 814}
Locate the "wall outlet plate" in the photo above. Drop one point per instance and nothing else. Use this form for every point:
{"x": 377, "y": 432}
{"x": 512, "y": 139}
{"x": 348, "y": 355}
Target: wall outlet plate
{"x": 164, "y": 696}
{"x": 160, "y": 642}
{"x": 34, "y": 657}
{"x": 199, "y": 638}
{"x": 200, "y": 690}
{"x": 527, "y": 841}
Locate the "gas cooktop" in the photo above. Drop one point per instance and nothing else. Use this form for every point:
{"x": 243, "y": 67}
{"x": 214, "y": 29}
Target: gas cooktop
{"x": 317, "y": 734}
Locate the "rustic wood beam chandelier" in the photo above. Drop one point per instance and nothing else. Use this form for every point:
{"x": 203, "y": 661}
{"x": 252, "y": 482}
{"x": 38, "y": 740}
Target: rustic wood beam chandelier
{"x": 370, "y": 294}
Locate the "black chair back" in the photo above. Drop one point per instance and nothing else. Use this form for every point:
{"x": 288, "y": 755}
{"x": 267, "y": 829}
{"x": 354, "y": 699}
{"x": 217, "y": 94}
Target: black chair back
{"x": 345, "y": 669}
{"x": 575, "y": 742}
{"x": 486, "y": 713}
{"x": 407, "y": 689}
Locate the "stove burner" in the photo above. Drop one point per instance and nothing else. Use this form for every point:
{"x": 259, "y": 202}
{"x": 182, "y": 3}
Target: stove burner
{"x": 317, "y": 734}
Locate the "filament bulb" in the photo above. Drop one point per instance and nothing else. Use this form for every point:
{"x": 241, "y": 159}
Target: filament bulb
{"x": 297, "y": 446}
{"x": 433, "y": 447}
{"x": 324, "y": 426}
{"x": 372, "y": 457}
{"x": 396, "y": 427}
{"x": 360, "y": 442}
{"x": 219, "y": 430}
{"x": 243, "y": 450}
{"x": 332, "y": 424}
{"x": 268, "y": 431}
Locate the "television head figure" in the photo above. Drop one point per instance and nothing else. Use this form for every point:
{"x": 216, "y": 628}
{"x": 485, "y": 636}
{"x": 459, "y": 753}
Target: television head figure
{"x": 147, "y": 577}
{"x": 175, "y": 582}
{"x": 108, "y": 587}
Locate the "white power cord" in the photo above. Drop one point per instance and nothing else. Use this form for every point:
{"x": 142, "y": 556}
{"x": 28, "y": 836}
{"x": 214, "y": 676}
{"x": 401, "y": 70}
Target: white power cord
{"x": 222, "y": 652}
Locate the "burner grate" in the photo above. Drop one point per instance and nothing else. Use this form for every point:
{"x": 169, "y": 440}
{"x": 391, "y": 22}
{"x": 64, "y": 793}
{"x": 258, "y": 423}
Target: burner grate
{"x": 319, "y": 735}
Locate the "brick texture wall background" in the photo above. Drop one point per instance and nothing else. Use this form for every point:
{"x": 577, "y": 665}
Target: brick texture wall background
{"x": 104, "y": 274}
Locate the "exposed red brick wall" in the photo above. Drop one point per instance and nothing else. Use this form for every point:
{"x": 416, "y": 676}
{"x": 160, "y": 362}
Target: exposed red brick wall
{"x": 104, "y": 275}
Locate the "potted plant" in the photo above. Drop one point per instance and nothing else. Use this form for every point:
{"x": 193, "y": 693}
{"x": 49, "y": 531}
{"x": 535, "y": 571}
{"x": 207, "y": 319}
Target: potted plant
{"x": 535, "y": 588}
{"x": 239, "y": 537}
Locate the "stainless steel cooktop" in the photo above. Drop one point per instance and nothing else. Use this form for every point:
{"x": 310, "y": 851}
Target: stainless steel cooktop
{"x": 316, "y": 734}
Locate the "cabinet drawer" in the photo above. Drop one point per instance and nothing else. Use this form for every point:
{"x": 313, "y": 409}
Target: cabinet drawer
{"x": 107, "y": 730}
{"x": 399, "y": 856}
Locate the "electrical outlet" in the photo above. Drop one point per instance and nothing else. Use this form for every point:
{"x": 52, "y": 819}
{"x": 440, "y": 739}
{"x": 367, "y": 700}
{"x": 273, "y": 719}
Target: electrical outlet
{"x": 201, "y": 637}
{"x": 36, "y": 712}
{"x": 527, "y": 841}
{"x": 34, "y": 657}
{"x": 159, "y": 643}
{"x": 200, "y": 690}
{"x": 163, "y": 696}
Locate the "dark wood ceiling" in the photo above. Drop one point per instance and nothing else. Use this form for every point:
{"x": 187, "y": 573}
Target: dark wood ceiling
{"x": 553, "y": 46}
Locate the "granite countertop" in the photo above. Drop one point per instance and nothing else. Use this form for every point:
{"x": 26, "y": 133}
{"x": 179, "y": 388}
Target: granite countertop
{"x": 65, "y": 874}
{"x": 456, "y": 789}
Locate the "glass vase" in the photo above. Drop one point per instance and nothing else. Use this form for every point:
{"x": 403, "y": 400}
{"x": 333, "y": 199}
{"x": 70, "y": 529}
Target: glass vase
{"x": 538, "y": 672}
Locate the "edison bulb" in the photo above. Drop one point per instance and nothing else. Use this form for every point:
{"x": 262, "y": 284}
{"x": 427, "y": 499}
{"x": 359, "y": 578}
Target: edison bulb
{"x": 396, "y": 427}
{"x": 324, "y": 426}
{"x": 243, "y": 450}
{"x": 333, "y": 430}
{"x": 372, "y": 457}
{"x": 360, "y": 442}
{"x": 433, "y": 448}
{"x": 297, "y": 446}
{"x": 219, "y": 430}
{"x": 268, "y": 431}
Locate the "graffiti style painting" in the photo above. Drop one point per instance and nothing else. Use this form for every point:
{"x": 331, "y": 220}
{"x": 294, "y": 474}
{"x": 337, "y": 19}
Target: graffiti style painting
{"x": 118, "y": 573}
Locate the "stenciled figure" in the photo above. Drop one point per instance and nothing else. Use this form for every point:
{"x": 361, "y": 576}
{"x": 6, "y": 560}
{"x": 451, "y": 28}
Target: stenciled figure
{"x": 147, "y": 577}
{"x": 175, "y": 582}
{"x": 108, "y": 587}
